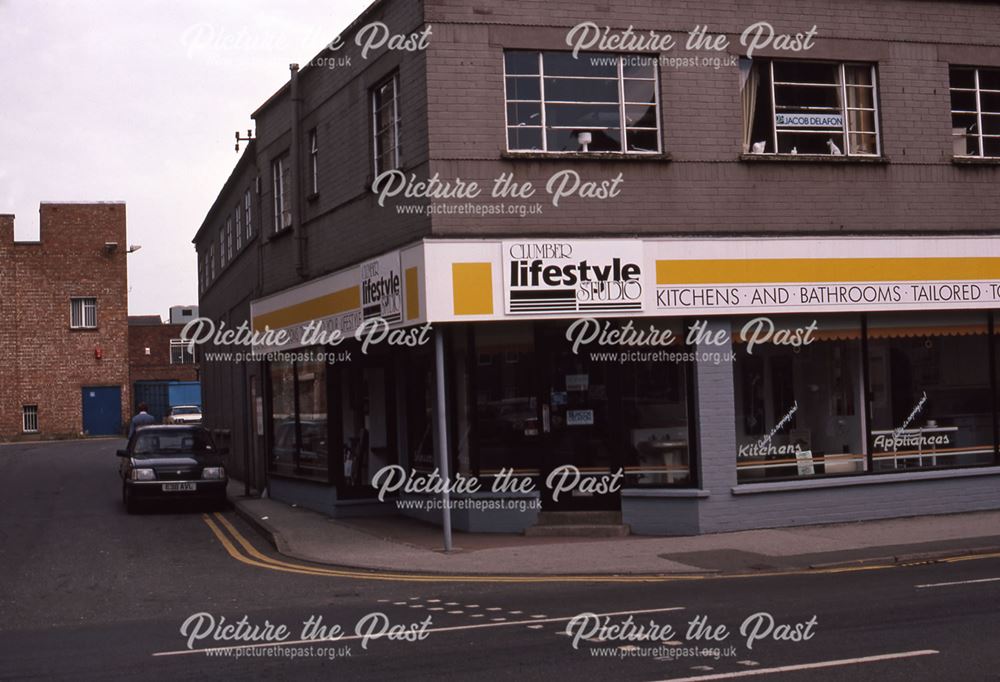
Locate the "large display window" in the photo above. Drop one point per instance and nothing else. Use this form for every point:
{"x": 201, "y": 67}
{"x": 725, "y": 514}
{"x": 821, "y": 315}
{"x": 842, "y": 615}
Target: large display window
{"x": 931, "y": 394}
{"x": 299, "y": 434}
{"x": 798, "y": 408}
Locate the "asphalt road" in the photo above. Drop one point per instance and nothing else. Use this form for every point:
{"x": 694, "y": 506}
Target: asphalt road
{"x": 88, "y": 592}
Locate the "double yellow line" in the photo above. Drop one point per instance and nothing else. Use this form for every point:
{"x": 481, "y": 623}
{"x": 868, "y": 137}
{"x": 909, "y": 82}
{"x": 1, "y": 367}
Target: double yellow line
{"x": 242, "y": 550}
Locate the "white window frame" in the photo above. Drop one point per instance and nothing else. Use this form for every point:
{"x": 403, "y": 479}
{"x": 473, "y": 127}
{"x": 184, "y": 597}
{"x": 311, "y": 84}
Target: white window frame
{"x": 239, "y": 227}
{"x": 843, "y": 110}
{"x": 229, "y": 240}
{"x": 314, "y": 161}
{"x": 622, "y": 105}
{"x": 979, "y": 113}
{"x": 376, "y": 108}
{"x": 187, "y": 353}
{"x": 211, "y": 263}
{"x": 279, "y": 171}
{"x": 83, "y": 309}
{"x": 29, "y": 418}
{"x": 247, "y": 215}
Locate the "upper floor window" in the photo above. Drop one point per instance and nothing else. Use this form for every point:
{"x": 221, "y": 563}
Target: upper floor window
{"x": 385, "y": 124}
{"x": 818, "y": 108}
{"x": 239, "y": 227}
{"x": 181, "y": 352}
{"x": 211, "y": 263}
{"x": 83, "y": 313}
{"x": 229, "y": 239}
{"x": 591, "y": 103}
{"x": 222, "y": 247}
{"x": 975, "y": 111}
{"x": 313, "y": 162}
{"x": 281, "y": 176}
{"x": 246, "y": 214}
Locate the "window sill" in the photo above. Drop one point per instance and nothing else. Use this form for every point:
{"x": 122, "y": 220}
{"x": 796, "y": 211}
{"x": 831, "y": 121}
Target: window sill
{"x": 665, "y": 492}
{"x": 975, "y": 161}
{"x": 84, "y": 329}
{"x": 862, "y": 479}
{"x": 579, "y": 156}
{"x": 280, "y": 233}
{"x": 811, "y": 158}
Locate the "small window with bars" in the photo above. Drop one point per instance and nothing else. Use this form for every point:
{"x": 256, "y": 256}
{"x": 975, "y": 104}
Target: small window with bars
{"x": 181, "y": 352}
{"x": 29, "y": 418}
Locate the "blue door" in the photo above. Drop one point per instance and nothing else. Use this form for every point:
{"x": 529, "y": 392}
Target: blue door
{"x": 102, "y": 410}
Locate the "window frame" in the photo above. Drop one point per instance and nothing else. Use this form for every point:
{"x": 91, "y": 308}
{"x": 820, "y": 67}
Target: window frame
{"x": 622, "y": 104}
{"x": 978, "y": 90}
{"x": 396, "y": 124}
{"x": 280, "y": 171}
{"x": 29, "y": 415}
{"x": 313, "y": 162}
{"x": 238, "y": 227}
{"x": 844, "y": 110}
{"x": 185, "y": 352}
{"x": 247, "y": 215}
{"x": 85, "y": 303}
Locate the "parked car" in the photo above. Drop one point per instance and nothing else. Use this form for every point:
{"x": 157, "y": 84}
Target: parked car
{"x": 172, "y": 463}
{"x": 184, "y": 414}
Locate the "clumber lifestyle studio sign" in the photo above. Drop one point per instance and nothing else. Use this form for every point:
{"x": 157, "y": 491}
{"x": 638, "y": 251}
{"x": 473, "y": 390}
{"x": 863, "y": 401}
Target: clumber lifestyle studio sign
{"x": 594, "y": 276}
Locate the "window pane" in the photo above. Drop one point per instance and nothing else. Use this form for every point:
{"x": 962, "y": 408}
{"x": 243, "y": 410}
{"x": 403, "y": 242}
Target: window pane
{"x": 587, "y": 64}
{"x": 583, "y": 115}
{"x": 602, "y": 141}
{"x": 860, "y": 98}
{"x": 520, "y": 62}
{"x": 524, "y": 139}
{"x": 863, "y": 143}
{"x": 806, "y": 72}
{"x": 861, "y": 121}
{"x": 313, "y": 452}
{"x": 285, "y": 443}
{"x": 930, "y": 387}
{"x": 991, "y": 146}
{"x": 963, "y": 101}
{"x": 991, "y": 125}
{"x": 523, "y": 113}
{"x": 639, "y": 66}
{"x": 963, "y": 77}
{"x": 581, "y": 90}
{"x": 990, "y": 101}
{"x": 857, "y": 74}
{"x": 642, "y": 140}
{"x": 809, "y": 143}
{"x": 798, "y": 409}
{"x": 523, "y": 88}
{"x": 640, "y": 116}
{"x": 989, "y": 79}
{"x": 791, "y": 97}
{"x": 640, "y": 91}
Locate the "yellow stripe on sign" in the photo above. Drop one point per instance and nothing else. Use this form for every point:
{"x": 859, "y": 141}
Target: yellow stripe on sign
{"x": 472, "y": 288}
{"x": 412, "y": 294}
{"x": 802, "y": 270}
{"x": 313, "y": 309}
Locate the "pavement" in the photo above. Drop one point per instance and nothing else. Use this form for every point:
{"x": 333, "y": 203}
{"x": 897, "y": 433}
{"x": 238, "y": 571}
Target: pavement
{"x": 400, "y": 544}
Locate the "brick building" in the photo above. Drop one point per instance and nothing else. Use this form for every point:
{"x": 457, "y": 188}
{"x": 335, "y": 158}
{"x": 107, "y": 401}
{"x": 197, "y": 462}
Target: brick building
{"x": 163, "y": 370}
{"x": 847, "y": 186}
{"x": 64, "y": 355}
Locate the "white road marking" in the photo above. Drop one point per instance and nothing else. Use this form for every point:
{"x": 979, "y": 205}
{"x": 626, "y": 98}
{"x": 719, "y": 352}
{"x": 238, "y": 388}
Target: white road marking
{"x": 806, "y": 666}
{"x": 436, "y": 608}
{"x": 497, "y": 620}
{"x": 472, "y": 606}
{"x": 456, "y": 611}
{"x": 493, "y": 608}
{"x": 455, "y": 628}
{"x": 433, "y": 601}
{"x": 959, "y": 582}
{"x": 476, "y": 615}
{"x": 538, "y": 615}
{"x": 536, "y": 627}
{"x": 515, "y": 613}
{"x": 749, "y": 664}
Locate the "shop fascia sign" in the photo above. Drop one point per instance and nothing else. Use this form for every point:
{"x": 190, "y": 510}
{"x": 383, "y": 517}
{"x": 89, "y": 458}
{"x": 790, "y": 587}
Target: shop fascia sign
{"x": 560, "y": 277}
{"x": 382, "y": 288}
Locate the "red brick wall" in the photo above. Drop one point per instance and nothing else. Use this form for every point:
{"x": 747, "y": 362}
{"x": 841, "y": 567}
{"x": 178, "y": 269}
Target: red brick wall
{"x": 156, "y": 366}
{"x": 43, "y": 361}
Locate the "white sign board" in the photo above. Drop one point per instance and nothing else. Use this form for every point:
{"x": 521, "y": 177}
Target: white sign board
{"x": 382, "y": 288}
{"x": 805, "y": 120}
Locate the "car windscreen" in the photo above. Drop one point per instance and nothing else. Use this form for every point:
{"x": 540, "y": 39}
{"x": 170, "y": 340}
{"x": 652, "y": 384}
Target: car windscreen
{"x": 165, "y": 443}
{"x": 185, "y": 410}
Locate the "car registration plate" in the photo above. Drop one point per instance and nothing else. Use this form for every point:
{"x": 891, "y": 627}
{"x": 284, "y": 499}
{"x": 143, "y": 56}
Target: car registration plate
{"x": 178, "y": 487}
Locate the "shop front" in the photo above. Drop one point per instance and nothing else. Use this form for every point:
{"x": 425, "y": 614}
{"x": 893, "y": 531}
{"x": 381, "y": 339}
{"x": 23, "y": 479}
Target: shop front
{"x": 719, "y": 384}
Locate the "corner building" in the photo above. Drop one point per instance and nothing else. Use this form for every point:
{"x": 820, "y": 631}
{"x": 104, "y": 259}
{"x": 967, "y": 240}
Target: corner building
{"x": 847, "y": 193}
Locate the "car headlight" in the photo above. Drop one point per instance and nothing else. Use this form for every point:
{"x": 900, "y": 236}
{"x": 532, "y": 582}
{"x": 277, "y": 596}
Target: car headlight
{"x": 143, "y": 475}
{"x": 215, "y": 473}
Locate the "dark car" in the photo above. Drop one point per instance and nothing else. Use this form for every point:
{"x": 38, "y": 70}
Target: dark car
{"x": 172, "y": 463}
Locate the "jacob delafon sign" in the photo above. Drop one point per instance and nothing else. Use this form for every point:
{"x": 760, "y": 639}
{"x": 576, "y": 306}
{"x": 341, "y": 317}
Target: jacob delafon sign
{"x": 573, "y": 276}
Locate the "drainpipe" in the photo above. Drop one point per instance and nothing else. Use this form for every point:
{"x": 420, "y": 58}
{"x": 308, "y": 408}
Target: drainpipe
{"x": 296, "y": 172}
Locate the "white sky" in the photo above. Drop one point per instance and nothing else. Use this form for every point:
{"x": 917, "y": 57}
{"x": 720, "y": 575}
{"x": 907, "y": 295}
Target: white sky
{"x": 137, "y": 101}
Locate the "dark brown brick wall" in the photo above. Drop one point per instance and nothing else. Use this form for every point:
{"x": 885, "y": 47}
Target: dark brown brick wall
{"x": 43, "y": 361}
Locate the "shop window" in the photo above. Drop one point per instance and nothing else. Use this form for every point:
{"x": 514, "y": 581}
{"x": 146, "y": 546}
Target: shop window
{"x": 654, "y": 397}
{"x": 798, "y": 408}
{"x": 505, "y": 407}
{"x": 83, "y": 313}
{"x": 975, "y": 111}
{"x": 385, "y": 124}
{"x": 367, "y": 422}
{"x": 931, "y": 400}
{"x": 29, "y": 418}
{"x": 801, "y": 107}
{"x": 594, "y": 102}
{"x": 419, "y": 400}
{"x": 299, "y": 419}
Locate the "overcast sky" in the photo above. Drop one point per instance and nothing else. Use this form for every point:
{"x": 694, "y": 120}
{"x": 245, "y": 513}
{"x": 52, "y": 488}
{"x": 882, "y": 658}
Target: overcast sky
{"x": 137, "y": 101}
